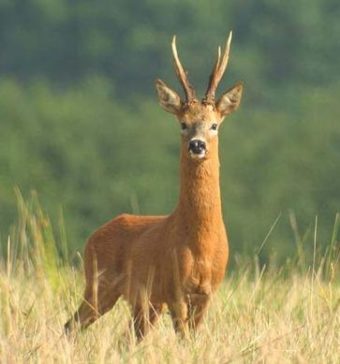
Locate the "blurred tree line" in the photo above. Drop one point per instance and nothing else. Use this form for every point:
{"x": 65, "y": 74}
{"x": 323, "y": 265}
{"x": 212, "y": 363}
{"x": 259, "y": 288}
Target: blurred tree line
{"x": 79, "y": 120}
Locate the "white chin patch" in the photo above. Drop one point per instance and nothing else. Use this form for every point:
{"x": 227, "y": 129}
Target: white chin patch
{"x": 197, "y": 156}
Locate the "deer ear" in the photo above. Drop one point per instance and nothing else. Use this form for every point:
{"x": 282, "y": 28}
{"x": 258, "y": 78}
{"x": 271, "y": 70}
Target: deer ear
{"x": 230, "y": 100}
{"x": 168, "y": 99}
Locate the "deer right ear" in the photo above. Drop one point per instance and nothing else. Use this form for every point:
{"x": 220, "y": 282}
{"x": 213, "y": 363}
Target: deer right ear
{"x": 230, "y": 100}
{"x": 168, "y": 99}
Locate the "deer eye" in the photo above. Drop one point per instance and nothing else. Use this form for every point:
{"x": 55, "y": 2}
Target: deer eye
{"x": 214, "y": 126}
{"x": 184, "y": 126}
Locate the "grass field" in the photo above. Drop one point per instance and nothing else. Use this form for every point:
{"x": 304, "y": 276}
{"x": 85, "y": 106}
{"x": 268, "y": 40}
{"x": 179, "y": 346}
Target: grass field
{"x": 288, "y": 314}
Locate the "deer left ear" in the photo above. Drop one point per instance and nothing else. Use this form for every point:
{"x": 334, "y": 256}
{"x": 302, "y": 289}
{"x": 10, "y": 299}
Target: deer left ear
{"x": 230, "y": 100}
{"x": 168, "y": 99}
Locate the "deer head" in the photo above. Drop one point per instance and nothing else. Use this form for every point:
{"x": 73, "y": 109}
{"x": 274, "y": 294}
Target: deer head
{"x": 200, "y": 120}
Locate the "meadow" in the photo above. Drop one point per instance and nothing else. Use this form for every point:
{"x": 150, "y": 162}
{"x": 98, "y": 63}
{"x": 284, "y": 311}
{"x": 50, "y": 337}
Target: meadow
{"x": 261, "y": 314}
{"x": 80, "y": 124}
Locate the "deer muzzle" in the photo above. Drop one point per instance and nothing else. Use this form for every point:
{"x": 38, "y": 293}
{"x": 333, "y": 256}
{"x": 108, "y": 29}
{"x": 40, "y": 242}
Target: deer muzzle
{"x": 197, "y": 148}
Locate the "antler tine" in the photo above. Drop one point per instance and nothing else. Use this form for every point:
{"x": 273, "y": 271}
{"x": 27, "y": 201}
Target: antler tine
{"x": 181, "y": 74}
{"x": 212, "y": 78}
{"x": 218, "y": 71}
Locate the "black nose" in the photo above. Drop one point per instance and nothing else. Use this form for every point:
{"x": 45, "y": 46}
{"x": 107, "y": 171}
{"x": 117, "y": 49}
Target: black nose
{"x": 196, "y": 146}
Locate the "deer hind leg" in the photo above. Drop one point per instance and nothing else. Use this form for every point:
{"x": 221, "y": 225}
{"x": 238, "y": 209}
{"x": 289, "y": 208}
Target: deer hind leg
{"x": 98, "y": 299}
{"x": 144, "y": 318}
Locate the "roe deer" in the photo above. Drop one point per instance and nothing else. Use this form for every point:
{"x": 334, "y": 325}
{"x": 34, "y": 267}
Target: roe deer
{"x": 177, "y": 260}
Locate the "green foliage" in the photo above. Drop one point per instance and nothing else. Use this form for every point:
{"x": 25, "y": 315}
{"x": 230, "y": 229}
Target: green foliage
{"x": 65, "y": 41}
{"x": 93, "y": 159}
{"x": 85, "y": 154}
{"x": 79, "y": 126}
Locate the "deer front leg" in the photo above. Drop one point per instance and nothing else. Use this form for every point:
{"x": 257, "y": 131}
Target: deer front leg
{"x": 145, "y": 318}
{"x": 179, "y": 315}
{"x": 197, "y": 306}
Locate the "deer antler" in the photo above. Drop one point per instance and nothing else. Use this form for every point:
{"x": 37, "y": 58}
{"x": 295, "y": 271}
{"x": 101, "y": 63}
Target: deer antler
{"x": 181, "y": 74}
{"x": 218, "y": 71}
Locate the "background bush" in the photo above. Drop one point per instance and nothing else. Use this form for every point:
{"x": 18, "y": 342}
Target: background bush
{"x": 80, "y": 123}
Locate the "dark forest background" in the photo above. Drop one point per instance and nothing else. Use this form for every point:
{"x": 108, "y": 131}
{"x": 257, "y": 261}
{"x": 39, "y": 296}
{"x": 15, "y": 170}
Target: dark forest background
{"x": 80, "y": 122}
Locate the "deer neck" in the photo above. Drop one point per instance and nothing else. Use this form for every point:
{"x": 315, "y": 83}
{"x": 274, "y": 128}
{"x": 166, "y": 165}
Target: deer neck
{"x": 199, "y": 209}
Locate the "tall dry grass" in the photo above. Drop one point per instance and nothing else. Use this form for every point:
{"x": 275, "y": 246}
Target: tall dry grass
{"x": 287, "y": 314}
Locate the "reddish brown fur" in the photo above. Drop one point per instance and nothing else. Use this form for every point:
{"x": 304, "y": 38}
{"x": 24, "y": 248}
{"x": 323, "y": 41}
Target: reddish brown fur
{"x": 177, "y": 260}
